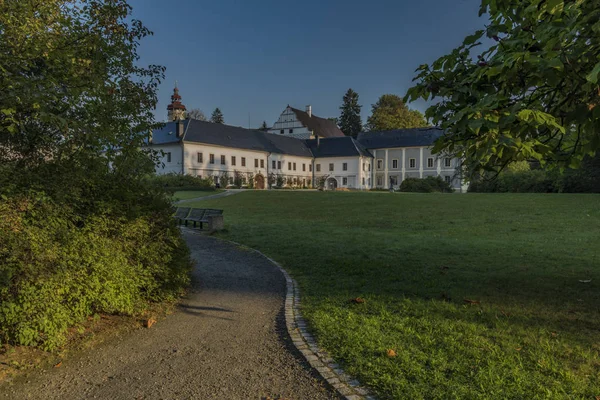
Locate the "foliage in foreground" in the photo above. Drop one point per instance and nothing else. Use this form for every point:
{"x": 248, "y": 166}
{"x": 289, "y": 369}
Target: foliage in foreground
{"x": 533, "y": 94}
{"x": 81, "y": 229}
{"x": 429, "y": 184}
{"x": 480, "y": 295}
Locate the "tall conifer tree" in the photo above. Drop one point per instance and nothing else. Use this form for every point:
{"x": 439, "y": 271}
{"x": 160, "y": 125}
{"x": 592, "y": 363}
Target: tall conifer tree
{"x": 350, "y": 122}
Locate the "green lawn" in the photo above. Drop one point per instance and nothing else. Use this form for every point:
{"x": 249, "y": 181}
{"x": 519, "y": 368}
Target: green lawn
{"x": 192, "y": 194}
{"x": 534, "y": 332}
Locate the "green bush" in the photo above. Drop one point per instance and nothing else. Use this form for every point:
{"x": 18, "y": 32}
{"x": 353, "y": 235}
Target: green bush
{"x": 179, "y": 182}
{"x": 429, "y": 184}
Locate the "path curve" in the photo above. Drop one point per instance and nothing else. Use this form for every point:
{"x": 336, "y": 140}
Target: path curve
{"x": 228, "y": 192}
{"x": 228, "y": 340}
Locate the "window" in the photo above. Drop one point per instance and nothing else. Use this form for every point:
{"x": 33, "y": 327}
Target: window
{"x": 281, "y": 131}
{"x": 294, "y": 166}
{"x": 447, "y": 179}
{"x": 291, "y": 131}
{"x": 211, "y": 158}
{"x": 199, "y": 157}
{"x": 412, "y": 163}
{"x": 278, "y": 164}
{"x": 379, "y": 181}
{"x": 430, "y": 162}
{"x": 379, "y": 164}
{"x": 303, "y": 182}
{"x": 395, "y": 164}
{"x": 318, "y": 167}
{"x": 274, "y": 164}
{"x": 363, "y": 168}
{"x": 262, "y": 163}
{"x": 303, "y": 167}
{"x": 289, "y": 166}
{"x": 223, "y": 160}
{"x": 345, "y": 181}
{"x": 256, "y": 163}
{"x": 369, "y": 167}
{"x": 169, "y": 156}
{"x": 331, "y": 166}
{"x": 232, "y": 160}
{"x": 243, "y": 161}
{"x": 216, "y": 179}
{"x": 447, "y": 162}
{"x": 345, "y": 167}
{"x": 363, "y": 181}
{"x": 309, "y": 167}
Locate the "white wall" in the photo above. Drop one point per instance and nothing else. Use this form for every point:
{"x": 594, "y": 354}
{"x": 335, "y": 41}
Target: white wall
{"x": 207, "y": 169}
{"x": 169, "y": 167}
{"x": 302, "y": 174}
{"x": 353, "y": 175}
{"x": 403, "y": 170}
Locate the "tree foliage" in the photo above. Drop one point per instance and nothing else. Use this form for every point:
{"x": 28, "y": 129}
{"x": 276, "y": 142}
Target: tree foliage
{"x": 217, "y": 117}
{"x": 350, "y": 121}
{"x": 390, "y": 112}
{"x": 197, "y": 114}
{"x": 82, "y": 230}
{"x": 264, "y": 126}
{"x": 529, "y": 93}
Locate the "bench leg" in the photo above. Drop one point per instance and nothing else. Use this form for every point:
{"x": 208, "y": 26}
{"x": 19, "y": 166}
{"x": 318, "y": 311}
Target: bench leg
{"x": 194, "y": 224}
{"x": 200, "y": 225}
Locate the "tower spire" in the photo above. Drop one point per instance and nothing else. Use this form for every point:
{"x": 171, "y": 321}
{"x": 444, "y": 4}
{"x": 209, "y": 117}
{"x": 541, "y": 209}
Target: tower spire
{"x": 176, "y": 110}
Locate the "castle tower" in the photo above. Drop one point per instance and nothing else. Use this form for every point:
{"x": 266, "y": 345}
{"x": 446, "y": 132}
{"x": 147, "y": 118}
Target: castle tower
{"x": 175, "y": 110}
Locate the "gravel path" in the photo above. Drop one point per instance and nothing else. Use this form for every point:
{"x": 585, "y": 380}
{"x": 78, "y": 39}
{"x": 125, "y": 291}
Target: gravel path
{"x": 227, "y": 341}
{"x": 228, "y": 192}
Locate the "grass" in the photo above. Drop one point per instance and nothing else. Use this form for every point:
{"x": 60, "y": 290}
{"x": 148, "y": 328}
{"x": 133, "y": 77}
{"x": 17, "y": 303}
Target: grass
{"x": 479, "y": 294}
{"x": 192, "y": 194}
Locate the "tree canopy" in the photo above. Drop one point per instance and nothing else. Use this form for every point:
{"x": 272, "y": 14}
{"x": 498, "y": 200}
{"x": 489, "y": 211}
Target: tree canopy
{"x": 197, "y": 114}
{"x": 217, "y": 117}
{"x": 264, "y": 126}
{"x": 390, "y": 112}
{"x": 524, "y": 88}
{"x": 71, "y": 84}
{"x": 350, "y": 122}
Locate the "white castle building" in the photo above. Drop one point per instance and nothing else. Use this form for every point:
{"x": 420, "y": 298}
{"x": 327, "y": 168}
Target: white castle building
{"x": 301, "y": 150}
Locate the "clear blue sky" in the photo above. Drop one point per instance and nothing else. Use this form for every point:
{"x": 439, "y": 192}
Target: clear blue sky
{"x": 256, "y": 57}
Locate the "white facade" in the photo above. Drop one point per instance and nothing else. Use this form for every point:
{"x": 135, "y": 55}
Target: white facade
{"x": 392, "y": 165}
{"x": 344, "y": 172}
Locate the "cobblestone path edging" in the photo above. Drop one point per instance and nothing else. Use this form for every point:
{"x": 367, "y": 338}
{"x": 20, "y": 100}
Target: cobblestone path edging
{"x": 306, "y": 344}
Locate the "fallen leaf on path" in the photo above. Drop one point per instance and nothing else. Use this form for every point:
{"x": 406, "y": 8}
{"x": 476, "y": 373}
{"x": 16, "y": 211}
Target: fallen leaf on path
{"x": 472, "y": 301}
{"x": 58, "y": 365}
{"x": 518, "y": 348}
{"x": 391, "y": 353}
{"x": 357, "y": 300}
{"x": 149, "y": 322}
{"x": 554, "y": 334}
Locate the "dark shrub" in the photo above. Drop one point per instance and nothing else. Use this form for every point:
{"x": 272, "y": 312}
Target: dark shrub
{"x": 427, "y": 185}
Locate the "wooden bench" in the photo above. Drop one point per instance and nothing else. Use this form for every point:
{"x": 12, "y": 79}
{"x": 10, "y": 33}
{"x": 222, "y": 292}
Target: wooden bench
{"x": 201, "y": 215}
{"x": 181, "y": 214}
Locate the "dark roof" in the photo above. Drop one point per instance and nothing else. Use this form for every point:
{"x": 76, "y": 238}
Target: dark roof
{"x": 231, "y": 136}
{"x": 336, "y": 147}
{"x": 415, "y": 137}
{"x": 321, "y": 126}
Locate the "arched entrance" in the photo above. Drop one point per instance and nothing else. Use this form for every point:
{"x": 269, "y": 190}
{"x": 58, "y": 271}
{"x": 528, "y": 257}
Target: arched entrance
{"x": 332, "y": 184}
{"x": 259, "y": 181}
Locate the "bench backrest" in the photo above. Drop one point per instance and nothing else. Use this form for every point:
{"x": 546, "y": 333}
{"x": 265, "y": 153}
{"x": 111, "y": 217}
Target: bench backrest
{"x": 197, "y": 213}
{"x": 182, "y": 212}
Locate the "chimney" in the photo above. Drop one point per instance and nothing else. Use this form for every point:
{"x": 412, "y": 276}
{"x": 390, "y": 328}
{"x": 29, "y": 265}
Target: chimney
{"x": 318, "y": 141}
{"x": 309, "y": 110}
{"x": 179, "y": 124}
